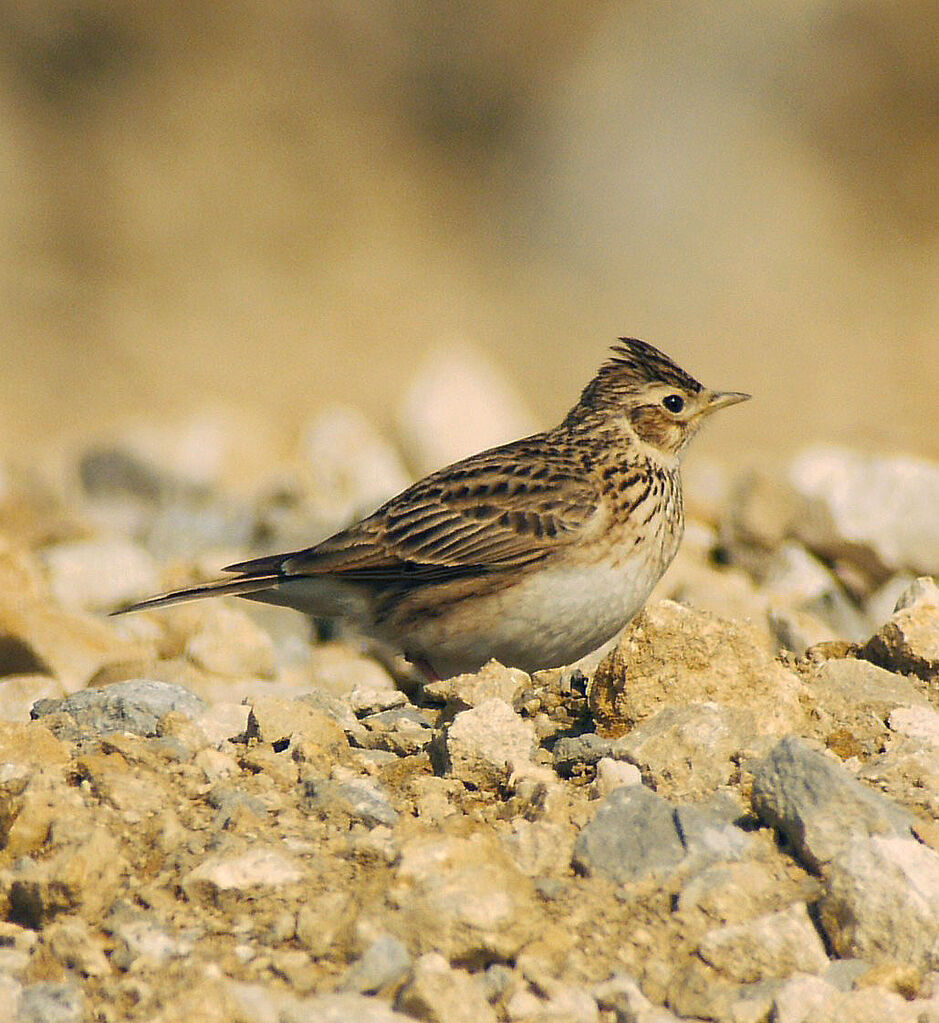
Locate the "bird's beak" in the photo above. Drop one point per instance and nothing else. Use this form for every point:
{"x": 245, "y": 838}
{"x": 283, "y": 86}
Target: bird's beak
{"x": 722, "y": 399}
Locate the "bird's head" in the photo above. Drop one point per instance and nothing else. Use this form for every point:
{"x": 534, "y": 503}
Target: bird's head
{"x": 641, "y": 389}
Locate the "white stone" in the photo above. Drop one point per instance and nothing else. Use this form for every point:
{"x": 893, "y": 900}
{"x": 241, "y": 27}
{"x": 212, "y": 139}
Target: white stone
{"x": 886, "y": 506}
{"x": 99, "y": 575}
{"x": 485, "y": 743}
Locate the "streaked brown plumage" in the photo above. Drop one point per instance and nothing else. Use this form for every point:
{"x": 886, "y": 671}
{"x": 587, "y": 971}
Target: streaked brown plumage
{"x": 535, "y": 552}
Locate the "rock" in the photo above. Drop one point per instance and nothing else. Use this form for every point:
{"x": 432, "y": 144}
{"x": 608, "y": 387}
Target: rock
{"x": 284, "y": 723}
{"x": 241, "y": 874}
{"x": 83, "y": 872}
{"x": 803, "y": 999}
{"x": 18, "y": 693}
{"x": 323, "y": 919}
{"x": 855, "y": 698}
{"x": 612, "y": 774}
{"x": 796, "y": 579}
{"x": 573, "y": 753}
{"x": 762, "y": 508}
{"x": 909, "y": 641}
{"x": 817, "y": 805}
{"x": 134, "y": 707}
{"x": 358, "y": 799}
{"x": 143, "y": 944}
{"x": 372, "y": 700}
{"x": 41, "y": 638}
{"x": 798, "y": 630}
{"x": 72, "y": 943}
{"x": 632, "y": 836}
{"x": 622, "y": 995}
{"x": 383, "y": 966}
{"x": 227, "y": 642}
{"x": 463, "y": 898}
{"x": 484, "y": 744}
{"x": 457, "y": 404}
{"x": 30, "y": 745}
{"x": 403, "y": 731}
{"x": 674, "y": 655}
{"x": 882, "y": 902}
{"x": 732, "y": 892}
{"x": 353, "y": 468}
{"x": 99, "y": 575}
{"x": 336, "y": 669}
{"x": 688, "y": 752}
{"x": 492, "y": 681}
{"x": 222, "y": 721}
{"x": 877, "y": 512}
{"x": 810, "y": 1000}
{"x": 708, "y": 832}
{"x": 921, "y": 724}
{"x": 439, "y": 994}
{"x": 776, "y": 945}
{"x": 51, "y": 1003}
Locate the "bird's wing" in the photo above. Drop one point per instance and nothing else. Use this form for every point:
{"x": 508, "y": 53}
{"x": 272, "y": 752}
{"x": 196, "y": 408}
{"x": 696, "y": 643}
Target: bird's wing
{"x": 502, "y": 509}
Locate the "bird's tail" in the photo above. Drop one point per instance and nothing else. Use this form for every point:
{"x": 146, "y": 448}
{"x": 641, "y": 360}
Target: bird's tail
{"x": 219, "y": 588}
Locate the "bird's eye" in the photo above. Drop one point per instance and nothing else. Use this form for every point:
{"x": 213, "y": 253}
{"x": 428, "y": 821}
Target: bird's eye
{"x": 673, "y": 402}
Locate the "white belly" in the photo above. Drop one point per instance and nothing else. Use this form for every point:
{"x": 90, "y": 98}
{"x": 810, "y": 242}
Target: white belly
{"x": 552, "y": 617}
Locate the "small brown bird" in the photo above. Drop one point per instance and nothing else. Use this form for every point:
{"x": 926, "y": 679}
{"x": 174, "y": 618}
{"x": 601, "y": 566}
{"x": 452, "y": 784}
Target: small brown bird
{"x": 534, "y": 553}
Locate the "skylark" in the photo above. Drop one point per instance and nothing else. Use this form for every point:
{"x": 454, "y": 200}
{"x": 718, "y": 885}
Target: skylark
{"x": 534, "y": 553}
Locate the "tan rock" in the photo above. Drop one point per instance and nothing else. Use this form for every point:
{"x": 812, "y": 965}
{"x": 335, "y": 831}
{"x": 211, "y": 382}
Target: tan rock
{"x": 492, "y": 681}
{"x": 41, "y": 638}
{"x": 908, "y": 641}
{"x": 776, "y": 945}
{"x": 229, "y": 643}
{"x": 673, "y": 655}
{"x": 464, "y": 898}
{"x": 18, "y": 693}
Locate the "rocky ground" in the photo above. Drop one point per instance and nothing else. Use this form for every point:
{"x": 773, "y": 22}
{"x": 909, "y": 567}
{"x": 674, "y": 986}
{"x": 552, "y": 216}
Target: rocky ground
{"x": 210, "y": 814}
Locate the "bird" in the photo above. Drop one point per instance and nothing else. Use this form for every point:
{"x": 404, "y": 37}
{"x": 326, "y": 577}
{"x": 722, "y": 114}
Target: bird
{"x": 534, "y": 553}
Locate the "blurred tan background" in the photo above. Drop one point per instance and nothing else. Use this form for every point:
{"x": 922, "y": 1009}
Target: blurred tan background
{"x": 266, "y": 206}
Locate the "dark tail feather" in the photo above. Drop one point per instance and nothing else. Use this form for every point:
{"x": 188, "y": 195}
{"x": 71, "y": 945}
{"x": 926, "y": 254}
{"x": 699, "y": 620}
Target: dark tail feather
{"x": 219, "y": 588}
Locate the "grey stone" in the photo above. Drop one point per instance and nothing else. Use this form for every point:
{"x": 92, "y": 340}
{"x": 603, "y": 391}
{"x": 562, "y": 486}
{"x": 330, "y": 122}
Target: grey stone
{"x": 358, "y": 798}
{"x": 134, "y": 706}
{"x": 632, "y": 836}
{"x": 820, "y": 808}
{"x": 483, "y": 744}
{"x": 573, "y": 752}
{"x": 51, "y": 1003}
{"x": 771, "y": 946}
{"x": 708, "y": 831}
{"x": 878, "y": 512}
{"x": 382, "y": 966}
{"x": 882, "y": 903}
